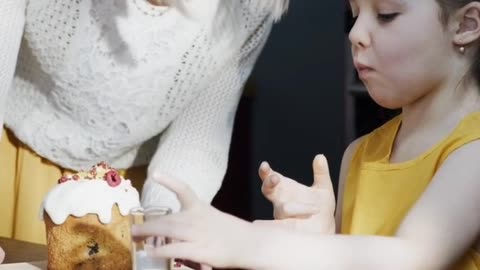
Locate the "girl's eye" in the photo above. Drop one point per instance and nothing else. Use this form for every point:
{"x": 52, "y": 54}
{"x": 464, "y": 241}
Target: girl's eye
{"x": 387, "y": 17}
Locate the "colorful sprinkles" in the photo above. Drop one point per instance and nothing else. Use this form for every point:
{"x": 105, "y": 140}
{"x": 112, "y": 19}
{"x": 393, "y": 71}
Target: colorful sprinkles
{"x": 101, "y": 171}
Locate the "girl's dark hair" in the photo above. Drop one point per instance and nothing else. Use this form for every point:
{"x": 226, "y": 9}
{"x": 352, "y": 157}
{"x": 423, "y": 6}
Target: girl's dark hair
{"x": 447, "y": 8}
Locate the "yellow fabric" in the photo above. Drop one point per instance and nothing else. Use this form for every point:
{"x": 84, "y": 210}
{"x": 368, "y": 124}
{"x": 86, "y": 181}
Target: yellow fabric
{"x": 25, "y": 179}
{"x": 378, "y": 194}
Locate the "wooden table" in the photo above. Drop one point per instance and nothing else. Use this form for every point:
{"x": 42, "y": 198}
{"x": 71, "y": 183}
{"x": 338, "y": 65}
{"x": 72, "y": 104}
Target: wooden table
{"x": 20, "y": 251}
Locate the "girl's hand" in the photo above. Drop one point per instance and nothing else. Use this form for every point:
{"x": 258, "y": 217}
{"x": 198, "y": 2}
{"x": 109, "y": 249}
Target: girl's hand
{"x": 193, "y": 265}
{"x": 299, "y": 207}
{"x": 201, "y": 233}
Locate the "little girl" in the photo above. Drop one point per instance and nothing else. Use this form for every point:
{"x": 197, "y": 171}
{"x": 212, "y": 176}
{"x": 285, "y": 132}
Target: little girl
{"x": 409, "y": 195}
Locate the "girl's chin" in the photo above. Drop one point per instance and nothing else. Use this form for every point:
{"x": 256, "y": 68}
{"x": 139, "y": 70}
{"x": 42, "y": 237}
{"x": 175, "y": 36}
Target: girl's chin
{"x": 383, "y": 99}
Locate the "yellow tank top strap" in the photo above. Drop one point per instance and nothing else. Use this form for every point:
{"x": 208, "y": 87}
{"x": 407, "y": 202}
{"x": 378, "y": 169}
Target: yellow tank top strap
{"x": 378, "y": 194}
{"x": 467, "y": 131}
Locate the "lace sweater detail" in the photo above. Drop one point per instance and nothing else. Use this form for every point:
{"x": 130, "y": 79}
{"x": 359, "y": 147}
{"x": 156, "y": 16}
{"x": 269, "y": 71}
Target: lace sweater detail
{"x": 126, "y": 82}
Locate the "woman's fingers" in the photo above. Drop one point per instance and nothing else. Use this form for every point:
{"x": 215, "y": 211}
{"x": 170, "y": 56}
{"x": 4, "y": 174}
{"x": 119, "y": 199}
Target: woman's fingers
{"x": 295, "y": 210}
{"x": 185, "y": 194}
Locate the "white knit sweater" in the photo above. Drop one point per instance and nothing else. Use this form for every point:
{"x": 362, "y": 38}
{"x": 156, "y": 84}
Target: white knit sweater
{"x": 102, "y": 79}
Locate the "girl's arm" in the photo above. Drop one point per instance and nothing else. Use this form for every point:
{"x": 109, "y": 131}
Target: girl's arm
{"x": 347, "y": 158}
{"x": 437, "y": 231}
{"x": 12, "y": 20}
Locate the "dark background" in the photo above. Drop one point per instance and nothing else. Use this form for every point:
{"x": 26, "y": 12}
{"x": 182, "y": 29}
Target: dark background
{"x": 294, "y": 106}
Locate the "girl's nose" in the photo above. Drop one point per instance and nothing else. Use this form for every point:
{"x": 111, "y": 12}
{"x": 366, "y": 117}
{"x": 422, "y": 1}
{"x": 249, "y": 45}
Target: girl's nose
{"x": 359, "y": 34}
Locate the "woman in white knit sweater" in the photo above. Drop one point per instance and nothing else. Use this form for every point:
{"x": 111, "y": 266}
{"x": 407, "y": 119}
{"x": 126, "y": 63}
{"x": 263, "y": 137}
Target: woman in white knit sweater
{"x": 131, "y": 82}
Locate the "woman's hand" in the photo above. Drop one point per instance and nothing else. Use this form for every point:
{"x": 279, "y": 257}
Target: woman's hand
{"x": 299, "y": 207}
{"x": 200, "y": 232}
{"x": 2, "y": 255}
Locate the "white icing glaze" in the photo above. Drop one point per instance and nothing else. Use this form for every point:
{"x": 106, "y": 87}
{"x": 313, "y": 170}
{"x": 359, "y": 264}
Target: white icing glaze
{"x": 86, "y": 196}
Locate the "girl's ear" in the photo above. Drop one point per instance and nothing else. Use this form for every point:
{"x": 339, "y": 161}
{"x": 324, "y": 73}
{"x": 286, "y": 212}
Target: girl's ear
{"x": 467, "y": 24}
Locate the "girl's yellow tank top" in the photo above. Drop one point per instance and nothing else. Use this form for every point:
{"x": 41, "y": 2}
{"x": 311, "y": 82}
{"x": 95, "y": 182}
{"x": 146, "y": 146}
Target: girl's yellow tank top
{"x": 378, "y": 194}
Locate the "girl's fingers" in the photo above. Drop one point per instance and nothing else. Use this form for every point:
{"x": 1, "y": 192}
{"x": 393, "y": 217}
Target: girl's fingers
{"x": 295, "y": 210}
{"x": 272, "y": 181}
{"x": 205, "y": 267}
{"x": 268, "y": 176}
{"x": 263, "y": 222}
{"x": 281, "y": 224}
{"x": 185, "y": 251}
{"x": 264, "y": 171}
{"x": 321, "y": 173}
{"x": 170, "y": 226}
{"x": 185, "y": 194}
{"x": 270, "y": 184}
{"x": 193, "y": 265}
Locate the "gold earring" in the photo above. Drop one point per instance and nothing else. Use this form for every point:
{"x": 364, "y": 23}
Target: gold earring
{"x": 462, "y": 49}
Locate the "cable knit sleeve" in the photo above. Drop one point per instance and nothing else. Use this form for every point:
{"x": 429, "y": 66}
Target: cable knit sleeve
{"x": 12, "y": 20}
{"x": 195, "y": 147}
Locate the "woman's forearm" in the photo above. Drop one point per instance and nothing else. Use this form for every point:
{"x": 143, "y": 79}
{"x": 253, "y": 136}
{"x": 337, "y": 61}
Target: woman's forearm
{"x": 12, "y": 20}
{"x": 279, "y": 249}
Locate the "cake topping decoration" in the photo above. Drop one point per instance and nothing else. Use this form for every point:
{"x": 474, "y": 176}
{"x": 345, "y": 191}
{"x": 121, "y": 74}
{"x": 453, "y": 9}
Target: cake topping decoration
{"x": 62, "y": 179}
{"x": 104, "y": 165}
{"x": 112, "y": 178}
{"x": 101, "y": 171}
